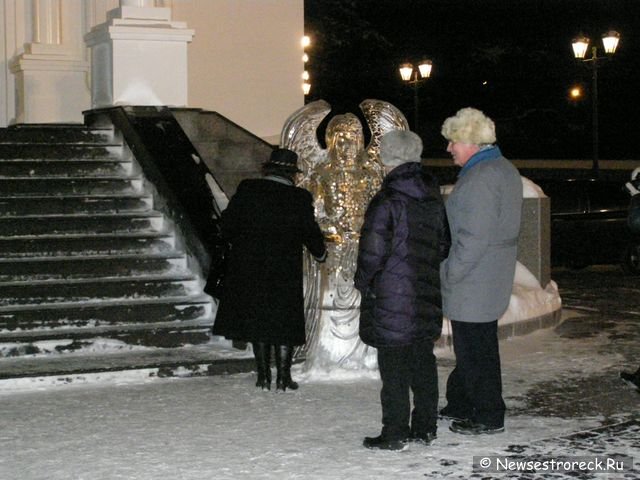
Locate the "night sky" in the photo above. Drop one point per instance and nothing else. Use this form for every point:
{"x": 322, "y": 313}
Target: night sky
{"x": 510, "y": 58}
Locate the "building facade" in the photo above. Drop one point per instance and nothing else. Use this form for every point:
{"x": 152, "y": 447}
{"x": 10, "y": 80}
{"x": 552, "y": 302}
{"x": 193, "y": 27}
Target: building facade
{"x": 240, "y": 58}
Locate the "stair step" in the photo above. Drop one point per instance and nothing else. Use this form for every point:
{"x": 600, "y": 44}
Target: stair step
{"x": 82, "y": 245}
{"x": 9, "y": 340}
{"x": 92, "y": 290}
{"x": 27, "y": 186}
{"x": 53, "y": 342}
{"x": 65, "y": 168}
{"x": 60, "y": 268}
{"x": 196, "y": 359}
{"x": 59, "y": 151}
{"x": 17, "y": 322}
{"x": 81, "y": 223}
{"x": 74, "y": 204}
{"x": 55, "y": 134}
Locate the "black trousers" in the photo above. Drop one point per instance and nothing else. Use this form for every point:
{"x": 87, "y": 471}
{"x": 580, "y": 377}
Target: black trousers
{"x": 402, "y": 369}
{"x": 474, "y": 387}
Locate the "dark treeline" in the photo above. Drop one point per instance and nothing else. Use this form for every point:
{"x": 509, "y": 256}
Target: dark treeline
{"x": 511, "y": 59}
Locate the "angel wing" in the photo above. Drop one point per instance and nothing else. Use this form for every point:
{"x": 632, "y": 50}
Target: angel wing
{"x": 300, "y": 135}
{"x": 382, "y": 117}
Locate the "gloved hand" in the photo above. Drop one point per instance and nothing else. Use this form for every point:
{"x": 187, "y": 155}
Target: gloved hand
{"x": 633, "y": 187}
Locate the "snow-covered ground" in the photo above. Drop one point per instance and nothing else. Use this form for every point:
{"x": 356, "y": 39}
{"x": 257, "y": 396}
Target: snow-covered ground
{"x": 222, "y": 427}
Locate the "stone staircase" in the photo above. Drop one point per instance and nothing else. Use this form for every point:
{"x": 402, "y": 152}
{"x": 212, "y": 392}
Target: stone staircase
{"x": 84, "y": 256}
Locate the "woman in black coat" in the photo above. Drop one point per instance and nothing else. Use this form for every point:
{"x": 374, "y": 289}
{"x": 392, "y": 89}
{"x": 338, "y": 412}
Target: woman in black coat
{"x": 267, "y": 222}
{"x": 404, "y": 238}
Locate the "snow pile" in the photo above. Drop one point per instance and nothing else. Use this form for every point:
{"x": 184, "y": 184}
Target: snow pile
{"x": 528, "y": 299}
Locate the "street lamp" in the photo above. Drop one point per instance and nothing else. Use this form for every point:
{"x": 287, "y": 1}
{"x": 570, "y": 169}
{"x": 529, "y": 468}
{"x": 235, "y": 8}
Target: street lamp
{"x": 575, "y": 93}
{"x": 580, "y": 45}
{"x": 415, "y": 77}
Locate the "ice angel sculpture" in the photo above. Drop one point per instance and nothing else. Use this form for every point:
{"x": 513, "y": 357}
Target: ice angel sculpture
{"x": 343, "y": 177}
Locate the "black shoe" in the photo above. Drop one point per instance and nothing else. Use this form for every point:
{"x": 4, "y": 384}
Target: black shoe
{"x": 262, "y": 353}
{"x": 282, "y": 385}
{"x": 284, "y": 358}
{"x": 423, "y": 439}
{"x": 448, "y": 414}
{"x": 383, "y": 443}
{"x": 631, "y": 378}
{"x": 467, "y": 427}
{"x": 263, "y": 383}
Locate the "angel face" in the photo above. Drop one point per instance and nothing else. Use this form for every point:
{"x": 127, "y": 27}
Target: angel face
{"x": 346, "y": 147}
{"x": 344, "y": 137}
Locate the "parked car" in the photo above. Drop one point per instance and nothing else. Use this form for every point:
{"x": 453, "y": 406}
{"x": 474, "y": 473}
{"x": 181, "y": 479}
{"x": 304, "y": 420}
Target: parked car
{"x": 589, "y": 224}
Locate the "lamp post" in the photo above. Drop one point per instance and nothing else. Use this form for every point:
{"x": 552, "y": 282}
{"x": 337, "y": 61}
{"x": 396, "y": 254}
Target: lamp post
{"x": 580, "y": 46}
{"x": 414, "y": 77}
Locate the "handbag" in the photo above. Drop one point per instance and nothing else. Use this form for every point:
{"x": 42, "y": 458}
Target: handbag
{"x": 217, "y": 271}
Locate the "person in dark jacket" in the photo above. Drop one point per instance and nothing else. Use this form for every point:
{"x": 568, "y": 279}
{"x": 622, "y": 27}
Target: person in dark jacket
{"x": 633, "y": 221}
{"x": 404, "y": 238}
{"x": 267, "y": 222}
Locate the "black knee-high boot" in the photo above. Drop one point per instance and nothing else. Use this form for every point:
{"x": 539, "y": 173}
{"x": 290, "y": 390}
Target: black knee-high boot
{"x": 262, "y": 352}
{"x": 284, "y": 355}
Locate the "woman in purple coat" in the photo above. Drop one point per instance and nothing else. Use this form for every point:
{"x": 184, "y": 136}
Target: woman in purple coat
{"x": 404, "y": 238}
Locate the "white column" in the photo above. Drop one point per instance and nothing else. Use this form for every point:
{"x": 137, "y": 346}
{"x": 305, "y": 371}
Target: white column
{"x": 8, "y": 43}
{"x": 139, "y": 57}
{"x": 51, "y": 74}
{"x": 46, "y": 21}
